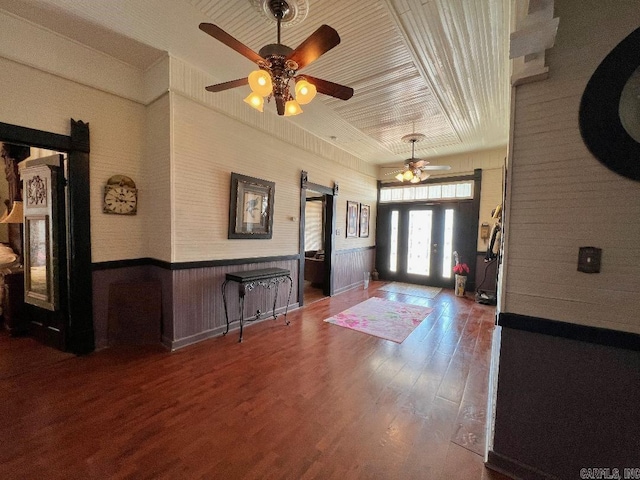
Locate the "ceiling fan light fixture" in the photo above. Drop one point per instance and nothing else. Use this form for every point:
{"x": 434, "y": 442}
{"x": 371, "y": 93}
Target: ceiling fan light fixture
{"x": 408, "y": 175}
{"x": 400, "y": 177}
{"x": 292, "y": 108}
{"x": 255, "y": 100}
{"x": 305, "y": 92}
{"x": 415, "y": 179}
{"x": 260, "y": 82}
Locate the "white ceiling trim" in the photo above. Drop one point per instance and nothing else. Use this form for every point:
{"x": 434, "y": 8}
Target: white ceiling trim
{"x": 535, "y": 33}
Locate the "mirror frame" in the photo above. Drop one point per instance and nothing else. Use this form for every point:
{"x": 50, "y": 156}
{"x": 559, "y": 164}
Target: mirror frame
{"x": 600, "y": 125}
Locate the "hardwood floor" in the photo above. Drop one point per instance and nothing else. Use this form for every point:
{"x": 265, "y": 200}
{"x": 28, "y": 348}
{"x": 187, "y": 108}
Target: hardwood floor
{"x": 311, "y": 294}
{"x": 311, "y": 400}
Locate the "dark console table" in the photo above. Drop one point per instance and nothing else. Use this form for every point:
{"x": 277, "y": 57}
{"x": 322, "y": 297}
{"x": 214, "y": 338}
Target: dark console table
{"x": 250, "y": 279}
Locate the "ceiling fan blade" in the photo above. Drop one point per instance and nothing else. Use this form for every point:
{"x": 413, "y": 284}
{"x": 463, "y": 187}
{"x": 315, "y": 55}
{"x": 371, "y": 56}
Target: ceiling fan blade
{"x": 280, "y": 105}
{"x": 316, "y": 44}
{"x": 218, "y": 87}
{"x": 219, "y": 34}
{"x": 436, "y": 167}
{"x": 329, "y": 88}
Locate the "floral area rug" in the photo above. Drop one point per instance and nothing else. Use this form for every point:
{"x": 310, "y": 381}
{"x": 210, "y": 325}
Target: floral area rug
{"x": 382, "y": 318}
{"x": 411, "y": 289}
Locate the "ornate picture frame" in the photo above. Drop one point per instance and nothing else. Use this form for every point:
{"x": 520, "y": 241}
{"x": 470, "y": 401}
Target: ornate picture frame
{"x": 365, "y": 214}
{"x": 352, "y": 219}
{"x": 251, "y": 207}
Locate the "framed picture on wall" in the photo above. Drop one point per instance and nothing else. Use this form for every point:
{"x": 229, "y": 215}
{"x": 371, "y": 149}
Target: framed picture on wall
{"x": 250, "y": 207}
{"x": 364, "y": 220}
{"x": 352, "y": 219}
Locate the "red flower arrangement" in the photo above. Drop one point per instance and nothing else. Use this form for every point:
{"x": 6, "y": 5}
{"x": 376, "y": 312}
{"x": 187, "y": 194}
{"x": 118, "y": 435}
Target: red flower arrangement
{"x": 461, "y": 269}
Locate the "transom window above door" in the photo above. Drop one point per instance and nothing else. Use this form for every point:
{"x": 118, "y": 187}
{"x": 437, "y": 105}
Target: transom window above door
{"x": 432, "y": 191}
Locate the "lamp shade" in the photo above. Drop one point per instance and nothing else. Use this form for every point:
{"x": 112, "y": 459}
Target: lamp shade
{"x": 400, "y": 177}
{"x": 305, "y": 92}
{"x": 408, "y": 175}
{"x": 260, "y": 82}
{"x": 16, "y": 215}
{"x": 292, "y": 108}
{"x": 255, "y": 100}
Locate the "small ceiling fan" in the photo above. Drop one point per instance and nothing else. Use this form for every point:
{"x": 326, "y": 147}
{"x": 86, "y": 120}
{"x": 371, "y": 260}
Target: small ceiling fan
{"x": 278, "y": 64}
{"x": 415, "y": 170}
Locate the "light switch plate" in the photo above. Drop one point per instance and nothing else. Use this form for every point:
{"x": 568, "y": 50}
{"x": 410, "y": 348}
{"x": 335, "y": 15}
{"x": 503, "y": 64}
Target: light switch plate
{"x": 589, "y": 259}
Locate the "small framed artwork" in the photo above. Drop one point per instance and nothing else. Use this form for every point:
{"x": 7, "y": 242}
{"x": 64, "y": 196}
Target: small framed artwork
{"x": 36, "y": 193}
{"x": 365, "y": 210}
{"x": 250, "y": 207}
{"x": 352, "y": 219}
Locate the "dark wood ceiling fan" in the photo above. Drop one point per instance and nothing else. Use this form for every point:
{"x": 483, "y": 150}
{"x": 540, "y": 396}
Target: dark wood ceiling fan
{"x": 414, "y": 169}
{"x": 282, "y": 63}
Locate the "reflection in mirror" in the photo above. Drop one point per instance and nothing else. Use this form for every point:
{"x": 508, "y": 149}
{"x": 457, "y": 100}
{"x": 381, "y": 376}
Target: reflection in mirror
{"x": 38, "y": 266}
{"x": 629, "y": 109}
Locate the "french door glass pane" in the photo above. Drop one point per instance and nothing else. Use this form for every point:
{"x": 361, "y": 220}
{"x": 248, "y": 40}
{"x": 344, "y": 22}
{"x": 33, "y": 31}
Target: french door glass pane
{"x": 393, "y": 250}
{"x": 419, "y": 247}
{"x": 447, "y": 248}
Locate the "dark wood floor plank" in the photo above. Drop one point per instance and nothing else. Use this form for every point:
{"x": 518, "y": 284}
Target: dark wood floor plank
{"x": 309, "y": 400}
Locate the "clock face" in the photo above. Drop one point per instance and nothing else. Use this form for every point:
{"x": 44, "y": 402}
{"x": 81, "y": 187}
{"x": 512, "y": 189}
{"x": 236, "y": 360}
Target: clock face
{"x": 120, "y": 199}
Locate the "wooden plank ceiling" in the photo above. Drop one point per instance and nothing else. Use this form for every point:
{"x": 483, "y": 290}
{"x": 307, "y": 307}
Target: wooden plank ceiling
{"x": 437, "y": 67}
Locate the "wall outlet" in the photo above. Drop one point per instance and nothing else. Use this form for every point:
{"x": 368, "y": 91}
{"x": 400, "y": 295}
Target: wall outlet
{"x": 589, "y": 259}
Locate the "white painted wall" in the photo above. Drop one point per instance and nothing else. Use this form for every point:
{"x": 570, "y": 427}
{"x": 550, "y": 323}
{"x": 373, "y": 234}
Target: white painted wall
{"x": 35, "y": 99}
{"x": 208, "y": 147}
{"x": 561, "y": 197}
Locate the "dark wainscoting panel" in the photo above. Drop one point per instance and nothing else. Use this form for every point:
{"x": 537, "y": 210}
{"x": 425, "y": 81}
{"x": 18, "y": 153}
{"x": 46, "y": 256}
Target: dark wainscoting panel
{"x": 349, "y": 268}
{"x": 197, "y": 300}
{"x": 192, "y": 307}
{"x": 486, "y": 277}
{"x": 564, "y": 404}
{"x": 103, "y": 278}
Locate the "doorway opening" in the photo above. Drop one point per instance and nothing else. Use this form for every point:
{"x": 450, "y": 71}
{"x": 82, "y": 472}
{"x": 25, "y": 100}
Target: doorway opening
{"x": 420, "y": 227}
{"x": 63, "y": 315}
{"x": 317, "y": 224}
{"x": 314, "y": 252}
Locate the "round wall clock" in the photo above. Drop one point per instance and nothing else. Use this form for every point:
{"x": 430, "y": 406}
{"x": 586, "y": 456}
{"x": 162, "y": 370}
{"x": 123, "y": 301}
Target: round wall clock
{"x": 120, "y": 196}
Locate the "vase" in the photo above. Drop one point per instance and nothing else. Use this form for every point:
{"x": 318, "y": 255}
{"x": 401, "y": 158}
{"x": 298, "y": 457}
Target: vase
{"x": 461, "y": 283}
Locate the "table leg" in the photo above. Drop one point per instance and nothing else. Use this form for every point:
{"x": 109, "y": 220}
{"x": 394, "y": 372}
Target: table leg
{"x": 224, "y": 301}
{"x": 286, "y": 308}
{"x": 275, "y": 300}
{"x": 242, "y": 292}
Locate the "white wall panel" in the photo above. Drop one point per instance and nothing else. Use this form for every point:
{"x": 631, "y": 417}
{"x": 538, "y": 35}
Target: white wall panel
{"x": 155, "y": 193}
{"x": 36, "y": 46}
{"x": 208, "y": 147}
{"x": 562, "y": 198}
{"x": 490, "y": 198}
{"x": 35, "y": 99}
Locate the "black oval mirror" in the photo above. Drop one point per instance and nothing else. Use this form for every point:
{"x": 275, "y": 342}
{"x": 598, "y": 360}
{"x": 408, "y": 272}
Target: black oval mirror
{"x": 609, "y": 121}
{"x": 629, "y": 108}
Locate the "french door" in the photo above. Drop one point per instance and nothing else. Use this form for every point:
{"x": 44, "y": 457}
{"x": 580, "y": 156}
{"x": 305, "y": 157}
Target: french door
{"x": 416, "y": 242}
